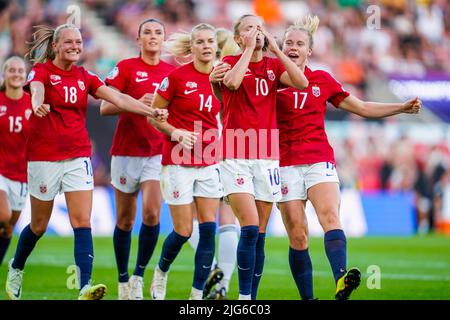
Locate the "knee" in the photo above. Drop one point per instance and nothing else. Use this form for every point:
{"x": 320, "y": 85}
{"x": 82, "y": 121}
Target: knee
{"x": 150, "y": 216}
{"x": 299, "y": 240}
{"x": 329, "y": 219}
{"x": 38, "y": 229}
{"x": 184, "y": 231}
{"x": 125, "y": 225}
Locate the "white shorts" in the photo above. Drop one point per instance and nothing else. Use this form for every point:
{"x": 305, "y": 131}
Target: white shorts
{"x": 48, "y": 178}
{"x": 127, "y": 173}
{"x": 16, "y": 192}
{"x": 296, "y": 180}
{"x": 259, "y": 177}
{"x": 180, "y": 184}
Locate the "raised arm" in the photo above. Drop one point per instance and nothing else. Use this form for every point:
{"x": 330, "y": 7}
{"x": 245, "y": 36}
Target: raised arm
{"x": 293, "y": 76}
{"x": 379, "y": 110}
{"x": 216, "y": 78}
{"x": 37, "y": 99}
{"x": 233, "y": 78}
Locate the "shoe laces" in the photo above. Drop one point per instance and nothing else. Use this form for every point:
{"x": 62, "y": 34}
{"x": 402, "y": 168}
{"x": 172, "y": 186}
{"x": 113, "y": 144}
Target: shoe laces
{"x": 15, "y": 279}
{"x": 136, "y": 283}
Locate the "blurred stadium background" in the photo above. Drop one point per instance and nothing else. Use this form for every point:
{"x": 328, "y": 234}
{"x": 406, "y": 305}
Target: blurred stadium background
{"x": 394, "y": 173}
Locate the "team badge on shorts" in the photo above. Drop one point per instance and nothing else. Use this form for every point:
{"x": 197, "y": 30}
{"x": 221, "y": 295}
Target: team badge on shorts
{"x": 81, "y": 85}
{"x": 284, "y": 189}
{"x": 176, "y": 194}
{"x": 42, "y": 188}
{"x": 316, "y": 91}
{"x": 240, "y": 181}
{"x": 271, "y": 75}
{"x": 123, "y": 180}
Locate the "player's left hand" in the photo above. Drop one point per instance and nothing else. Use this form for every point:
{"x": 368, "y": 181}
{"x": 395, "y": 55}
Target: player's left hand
{"x": 159, "y": 114}
{"x": 412, "y": 106}
{"x": 147, "y": 99}
{"x": 272, "y": 42}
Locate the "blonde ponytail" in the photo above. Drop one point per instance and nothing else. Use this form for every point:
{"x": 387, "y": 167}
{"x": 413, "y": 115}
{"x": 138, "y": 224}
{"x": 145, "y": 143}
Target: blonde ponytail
{"x": 308, "y": 24}
{"x": 41, "y": 48}
{"x": 179, "y": 44}
{"x": 226, "y": 44}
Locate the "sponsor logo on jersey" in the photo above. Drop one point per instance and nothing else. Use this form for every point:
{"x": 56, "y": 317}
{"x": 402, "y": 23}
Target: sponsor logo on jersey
{"x": 240, "y": 181}
{"x": 3, "y": 110}
{"x": 113, "y": 73}
{"x": 176, "y": 194}
{"x": 191, "y": 85}
{"x": 315, "y": 91}
{"x": 55, "y": 79}
{"x": 42, "y": 188}
{"x": 31, "y": 75}
{"x": 123, "y": 180}
{"x": 141, "y": 76}
{"x": 28, "y": 113}
{"x": 189, "y": 91}
{"x": 164, "y": 84}
{"x": 81, "y": 85}
{"x": 271, "y": 75}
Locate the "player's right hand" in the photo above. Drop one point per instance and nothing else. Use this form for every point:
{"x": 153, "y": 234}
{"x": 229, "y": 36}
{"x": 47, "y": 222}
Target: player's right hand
{"x": 160, "y": 115}
{"x": 184, "y": 137}
{"x": 42, "y": 110}
{"x": 219, "y": 72}
{"x": 249, "y": 38}
{"x": 147, "y": 99}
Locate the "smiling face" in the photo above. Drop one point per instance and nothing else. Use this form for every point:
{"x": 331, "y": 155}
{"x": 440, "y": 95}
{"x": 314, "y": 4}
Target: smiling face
{"x": 245, "y": 25}
{"x": 151, "y": 37}
{"x": 204, "y": 45}
{"x": 296, "y": 46}
{"x": 14, "y": 73}
{"x": 68, "y": 45}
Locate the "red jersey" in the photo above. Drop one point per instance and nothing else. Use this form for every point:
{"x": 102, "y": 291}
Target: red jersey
{"x": 301, "y": 119}
{"x": 134, "y": 136}
{"x": 14, "y": 131}
{"x": 191, "y": 103}
{"x": 62, "y": 133}
{"x": 251, "y": 108}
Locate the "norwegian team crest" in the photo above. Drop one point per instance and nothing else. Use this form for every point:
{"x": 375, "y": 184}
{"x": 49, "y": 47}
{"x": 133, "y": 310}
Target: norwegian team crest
{"x": 3, "y": 110}
{"x": 240, "y": 181}
{"x": 316, "y": 91}
{"x": 28, "y": 113}
{"x": 176, "y": 194}
{"x": 81, "y": 85}
{"x": 284, "y": 190}
{"x": 123, "y": 180}
{"x": 42, "y": 188}
{"x": 191, "y": 85}
{"x": 271, "y": 75}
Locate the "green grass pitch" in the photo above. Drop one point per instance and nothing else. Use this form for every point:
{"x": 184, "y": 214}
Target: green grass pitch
{"x": 411, "y": 268}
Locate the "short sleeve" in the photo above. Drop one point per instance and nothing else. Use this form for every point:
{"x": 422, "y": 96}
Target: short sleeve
{"x": 94, "y": 83}
{"x": 37, "y": 74}
{"x": 337, "y": 92}
{"x": 231, "y": 60}
{"x": 167, "y": 88}
{"x": 280, "y": 69}
{"x": 117, "y": 77}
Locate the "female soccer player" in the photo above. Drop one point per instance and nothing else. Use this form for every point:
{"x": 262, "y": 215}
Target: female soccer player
{"x": 136, "y": 157}
{"x": 228, "y": 229}
{"x": 58, "y": 148}
{"x": 15, "y": 110}
{"x": 250, "y": 171}
{"x": 308, "y": 170}
{"x": 190, "y": 176}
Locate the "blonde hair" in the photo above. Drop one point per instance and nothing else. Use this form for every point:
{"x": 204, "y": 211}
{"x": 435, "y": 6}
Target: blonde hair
{"x": 226, "y": 44}
{"x": 41, "y": 47}
{"x": 238, "y": 23}
{"x": 5, "y": 66}
{"x": 179, "y": 44}
{"x": 308, "y": 24}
